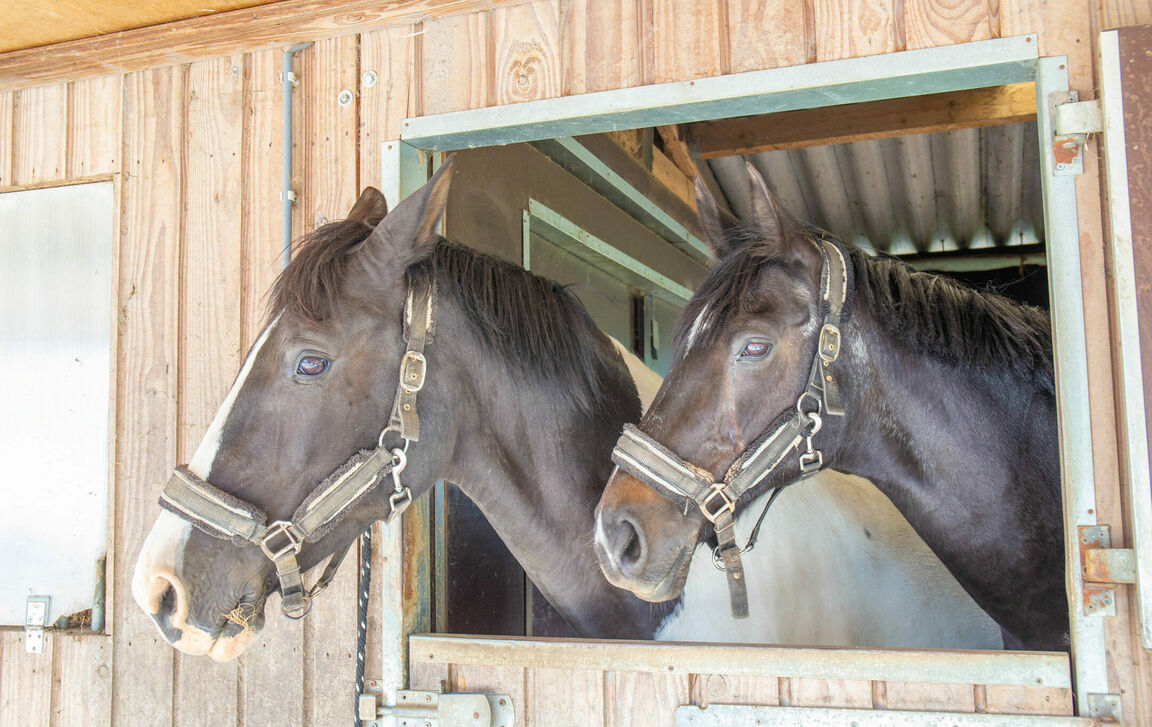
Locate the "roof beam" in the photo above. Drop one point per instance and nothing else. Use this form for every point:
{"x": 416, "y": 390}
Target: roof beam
{"x": 277, "y": 25}
{"x": 870, "y": 120}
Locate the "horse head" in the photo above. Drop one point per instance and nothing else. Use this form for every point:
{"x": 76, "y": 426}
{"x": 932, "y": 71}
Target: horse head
{"x": 317, "y": 387}
{"x": 745, "y": 347}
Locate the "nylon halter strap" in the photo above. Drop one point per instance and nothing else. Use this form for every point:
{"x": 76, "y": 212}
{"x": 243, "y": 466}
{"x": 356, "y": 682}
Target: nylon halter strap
{"x": 792, "y": 432}
{"x": 223, "y": 516}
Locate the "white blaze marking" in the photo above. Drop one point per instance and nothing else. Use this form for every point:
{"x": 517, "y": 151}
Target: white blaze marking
{"x": 698, "y": 325}
{"x": 201, "y": 463}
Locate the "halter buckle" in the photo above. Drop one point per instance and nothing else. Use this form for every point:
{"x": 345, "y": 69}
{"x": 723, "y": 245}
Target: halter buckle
{"x": 829, "y": 348}
{"x": 280, "y": 527}
{"x": 726, "y": 504}
{"x": 811, "y": 462}
{"x": 412, "y": 371}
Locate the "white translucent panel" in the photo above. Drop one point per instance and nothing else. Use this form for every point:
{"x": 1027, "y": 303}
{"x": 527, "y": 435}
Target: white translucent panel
{"x": 55, "y": 335}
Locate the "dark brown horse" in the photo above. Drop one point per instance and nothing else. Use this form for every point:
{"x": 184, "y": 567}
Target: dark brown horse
{"x": 941, "y": 395}
{"x": 522, "y": 401}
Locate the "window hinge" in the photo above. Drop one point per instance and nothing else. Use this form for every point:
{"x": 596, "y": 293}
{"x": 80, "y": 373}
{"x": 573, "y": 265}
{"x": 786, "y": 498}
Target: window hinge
{"x": 1105, "y": 708}
{"x": 1072, "y": 121}
{"x": 413, "y": 708}
{"x": 1103, "y": 567}
{"x": 35, "y": 620}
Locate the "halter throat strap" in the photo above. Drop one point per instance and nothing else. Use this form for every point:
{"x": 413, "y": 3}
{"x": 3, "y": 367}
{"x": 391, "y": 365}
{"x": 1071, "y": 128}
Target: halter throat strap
{"x": 224, "y": 516}
{"x": 792, "y": 432}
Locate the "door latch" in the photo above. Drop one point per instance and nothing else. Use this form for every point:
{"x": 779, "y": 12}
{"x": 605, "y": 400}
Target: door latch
{"x": 1072, "y": 121}
{"x": 415, "y": 708}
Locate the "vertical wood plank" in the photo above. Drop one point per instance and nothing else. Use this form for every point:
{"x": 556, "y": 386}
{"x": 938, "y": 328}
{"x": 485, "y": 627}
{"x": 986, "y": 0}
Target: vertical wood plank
{"x": 734, "y": 689}
{"x": 691, "y": 39}
{"x": 272, "y": 669}
{"x": 457, "y": 64}
{"x": 647, "y": 698}
{"x": 7, "y": 106}
{"x": 25, "y": 681}
{"x": 602, "y": 45}
{"x": 328, "y": 190}
{"x": 430, "y": 678}
{"x": 564, "y": 698}
{"x": 40, "y": 134}
{"x": 206, "y": 691}
{"x": 147, "y": 354}
{"x": 94, "y": 124}
{"x": 788, "y": 25}
{"x": 920, "y": 696}
{"x": 383, "y": 107}
{"x": 263, "y": 138}
{"x": 508, "y": 680}
{"x": 83, "y": 681}
{"x": 1125, "y": 13}
{"x": 854, "y": 28}
{"x": 944, "y": 22}
{"x": 527, "y": 54}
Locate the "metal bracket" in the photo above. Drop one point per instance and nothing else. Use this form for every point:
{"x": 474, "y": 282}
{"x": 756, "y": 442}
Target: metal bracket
{"x": 1103, "y": 567}
{"x": 1072, "y": 121}
{"x": 1105, "y": 707}
{"x": 415, "y": 708}
{"x": 35, "y": 619}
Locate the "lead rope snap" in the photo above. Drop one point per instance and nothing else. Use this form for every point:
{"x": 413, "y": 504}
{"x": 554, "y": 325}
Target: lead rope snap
{"x": 401, "y": 496}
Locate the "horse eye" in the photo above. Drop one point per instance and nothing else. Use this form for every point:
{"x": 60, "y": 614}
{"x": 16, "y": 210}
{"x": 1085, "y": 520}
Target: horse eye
{"x": 312, "y": 365}
{"x": 756, "y": 349}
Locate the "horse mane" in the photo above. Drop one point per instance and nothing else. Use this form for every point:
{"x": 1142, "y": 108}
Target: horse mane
{"x": 536, "y": 326}
{"x": 932, "y": 314}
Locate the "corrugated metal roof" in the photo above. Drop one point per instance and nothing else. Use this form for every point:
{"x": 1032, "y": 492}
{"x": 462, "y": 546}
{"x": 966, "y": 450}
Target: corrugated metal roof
{"x": 926, "y": 193}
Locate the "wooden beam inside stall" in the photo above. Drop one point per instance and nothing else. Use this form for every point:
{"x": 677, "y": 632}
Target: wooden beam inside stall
{"x": 872, "y": 120}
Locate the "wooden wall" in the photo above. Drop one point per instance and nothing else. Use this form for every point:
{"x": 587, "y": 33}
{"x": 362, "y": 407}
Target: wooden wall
{"x": 194, "y": 150}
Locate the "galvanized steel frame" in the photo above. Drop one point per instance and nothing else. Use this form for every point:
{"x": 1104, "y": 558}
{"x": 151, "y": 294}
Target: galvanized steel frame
{"x": 930, "y": 70}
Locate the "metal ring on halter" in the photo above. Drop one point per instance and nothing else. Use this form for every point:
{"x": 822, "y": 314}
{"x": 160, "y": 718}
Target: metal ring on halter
{"x": 800, "y": 403}
{"x": 300, "y": 612}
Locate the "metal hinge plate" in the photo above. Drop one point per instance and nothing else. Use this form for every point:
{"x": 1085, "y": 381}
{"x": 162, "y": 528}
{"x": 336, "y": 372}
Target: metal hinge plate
{"x": 414, "y": 708}
{"x": 35, "y": 620}
{"x": 1072, "y": 121}
{"x": 1103, "y": 567}
{"x": 1104, "y": 707}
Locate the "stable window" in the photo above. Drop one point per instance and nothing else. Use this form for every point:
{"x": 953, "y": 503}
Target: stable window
{"x": 55, "y": 333}
{"x": 997, "y": 63}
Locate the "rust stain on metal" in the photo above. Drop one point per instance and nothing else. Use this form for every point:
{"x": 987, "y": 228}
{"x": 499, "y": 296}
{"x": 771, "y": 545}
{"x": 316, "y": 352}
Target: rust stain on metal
{"x": 1065, "y": 149}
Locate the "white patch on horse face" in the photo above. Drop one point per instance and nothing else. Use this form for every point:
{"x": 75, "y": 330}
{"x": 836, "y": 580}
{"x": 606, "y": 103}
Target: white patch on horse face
{"x": 160, "y": 560}
{"x": 201, "y": 462}
{"x": 698, "y": 325}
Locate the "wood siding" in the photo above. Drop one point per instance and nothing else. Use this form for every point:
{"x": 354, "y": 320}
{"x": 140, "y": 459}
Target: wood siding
{"x": 193, "y": 144}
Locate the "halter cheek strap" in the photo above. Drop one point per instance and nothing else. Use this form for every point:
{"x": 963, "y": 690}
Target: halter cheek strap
{"x": 683, "y": 482}
{"x": 224, "y": 516}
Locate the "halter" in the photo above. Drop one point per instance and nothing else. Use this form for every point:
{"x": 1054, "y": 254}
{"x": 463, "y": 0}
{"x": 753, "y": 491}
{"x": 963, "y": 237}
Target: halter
{"x": 681, "y": 481}
{"x": 223, "y": 516}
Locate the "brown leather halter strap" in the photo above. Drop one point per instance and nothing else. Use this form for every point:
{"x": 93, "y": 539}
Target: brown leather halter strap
{"x": 681, "y": 481}
{"x": 224, "y": 516}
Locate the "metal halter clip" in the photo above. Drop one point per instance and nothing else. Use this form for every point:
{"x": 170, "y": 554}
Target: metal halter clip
{"x": 401, "y": 496}
{"x": 280, "y": 527}
{"x": 725, "y": 503}
{"x": 412, "y": 371}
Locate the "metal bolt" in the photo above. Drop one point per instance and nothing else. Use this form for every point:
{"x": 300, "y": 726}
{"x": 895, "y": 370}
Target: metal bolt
{"x": 502, "y": 702}
{"x": 1060, "y": 165}
{"x": 407, "y": 407}
{"x": 369, "y": 79}
{"x": 345, "y": 98}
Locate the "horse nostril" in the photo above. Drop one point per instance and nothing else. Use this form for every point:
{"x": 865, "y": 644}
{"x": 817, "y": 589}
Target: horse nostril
{"x": 629, "y": 545}
{"x": 168, "y": 601}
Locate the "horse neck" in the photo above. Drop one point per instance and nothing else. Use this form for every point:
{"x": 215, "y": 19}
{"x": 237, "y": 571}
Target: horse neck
{"x": 970, "y": 459}
{"x": 536, "y": 467}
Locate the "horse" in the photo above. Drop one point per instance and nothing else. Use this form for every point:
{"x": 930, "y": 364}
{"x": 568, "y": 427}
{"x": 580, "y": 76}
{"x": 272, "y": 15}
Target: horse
{"x": 800, "y": 353}
{"x": 510, "y": 391}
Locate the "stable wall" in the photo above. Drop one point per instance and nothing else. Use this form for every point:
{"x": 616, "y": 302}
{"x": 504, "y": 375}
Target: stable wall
{"x": 188, "y": 126}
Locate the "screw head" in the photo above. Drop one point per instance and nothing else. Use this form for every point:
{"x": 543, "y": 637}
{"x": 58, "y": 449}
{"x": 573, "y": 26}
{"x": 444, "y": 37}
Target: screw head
{"x": 369, "y": 79}
{"x": 345, "y": 98}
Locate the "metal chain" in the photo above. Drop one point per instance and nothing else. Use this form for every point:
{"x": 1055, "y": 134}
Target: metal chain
{"x": 362, "y": 618}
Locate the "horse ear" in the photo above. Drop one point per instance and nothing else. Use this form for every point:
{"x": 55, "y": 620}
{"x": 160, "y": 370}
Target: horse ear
{"x": 715, "y": 221}
{"x": 767, "y": 214}
{"x": 370, "y": 208}
{"x": 408, "y": 233}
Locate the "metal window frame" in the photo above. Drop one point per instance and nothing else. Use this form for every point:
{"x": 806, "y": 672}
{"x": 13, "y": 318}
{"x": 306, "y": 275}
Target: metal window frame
{"x": 894, "y": 75}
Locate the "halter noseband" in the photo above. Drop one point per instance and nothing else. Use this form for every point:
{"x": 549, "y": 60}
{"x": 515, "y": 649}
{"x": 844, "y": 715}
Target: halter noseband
{"x": 681, "y": 481}
{"x": 223, "y": 516}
